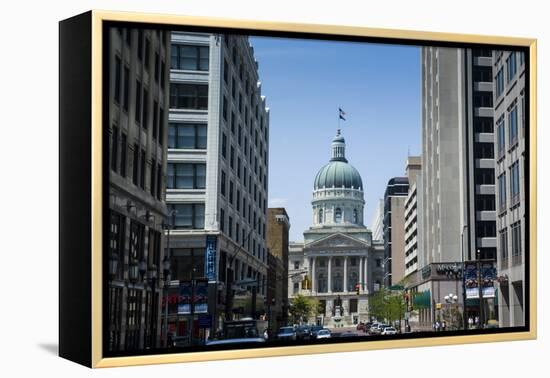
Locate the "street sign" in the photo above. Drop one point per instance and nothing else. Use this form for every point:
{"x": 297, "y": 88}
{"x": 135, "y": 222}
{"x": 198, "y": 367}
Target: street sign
{"x": 210, "y": 258}
{"x": 438, "y": 306}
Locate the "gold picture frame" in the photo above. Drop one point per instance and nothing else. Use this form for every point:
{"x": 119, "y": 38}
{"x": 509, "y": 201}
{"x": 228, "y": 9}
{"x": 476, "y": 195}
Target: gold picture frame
{"x": 91, "y": 354}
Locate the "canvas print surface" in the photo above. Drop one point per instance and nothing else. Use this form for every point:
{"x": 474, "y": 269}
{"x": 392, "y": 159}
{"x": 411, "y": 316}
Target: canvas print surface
{"x": 275, "y": 190}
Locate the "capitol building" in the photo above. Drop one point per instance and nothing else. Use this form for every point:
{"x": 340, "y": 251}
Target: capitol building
{"x": 338, "y": 263}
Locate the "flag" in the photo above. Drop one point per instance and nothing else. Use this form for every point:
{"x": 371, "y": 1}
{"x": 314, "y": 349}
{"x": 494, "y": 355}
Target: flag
{"x": 341, "y": 114}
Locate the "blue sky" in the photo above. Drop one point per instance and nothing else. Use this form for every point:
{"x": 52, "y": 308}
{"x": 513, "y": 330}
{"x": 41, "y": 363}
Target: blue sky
{"x": 305, "y": 82}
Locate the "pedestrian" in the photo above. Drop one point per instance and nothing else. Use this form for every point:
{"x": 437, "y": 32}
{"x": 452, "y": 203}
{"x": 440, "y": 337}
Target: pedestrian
{"x": 266, "y": 334}
{"x": 443, "y": 325}
{"x": 437, "y": 326}
{"x": 470, "y": 322}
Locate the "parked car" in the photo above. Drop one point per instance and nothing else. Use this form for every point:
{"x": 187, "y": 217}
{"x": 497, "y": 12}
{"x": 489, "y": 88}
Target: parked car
{"x": 286, "y": 333}
{"x": 303, "y": 332}
{"x": 389, "y": 331}
{"x": 314, "y": 329}
{"x": 323, "y": 334}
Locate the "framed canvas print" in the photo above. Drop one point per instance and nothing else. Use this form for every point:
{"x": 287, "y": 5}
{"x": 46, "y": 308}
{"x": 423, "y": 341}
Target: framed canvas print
{"x": 233, "y": 189}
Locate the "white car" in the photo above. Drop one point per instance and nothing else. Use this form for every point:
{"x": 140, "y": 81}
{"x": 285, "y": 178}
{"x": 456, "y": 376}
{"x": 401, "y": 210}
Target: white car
{"x": 323, "y": 334}
{"x": 389, "y": 331}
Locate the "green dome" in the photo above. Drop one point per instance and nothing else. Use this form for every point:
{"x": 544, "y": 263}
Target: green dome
{"x": 338, "y": 174}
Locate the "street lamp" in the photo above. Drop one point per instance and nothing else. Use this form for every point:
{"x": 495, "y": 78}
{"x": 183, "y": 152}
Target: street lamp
{"x": 451, "y": 299}
{"x": 166, "y": 272}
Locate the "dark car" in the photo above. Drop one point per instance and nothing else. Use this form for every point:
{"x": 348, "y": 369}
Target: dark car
{"x": 314, "y": 330}
{"x": 303, "y": 333}
{"x": 286, "y": 333}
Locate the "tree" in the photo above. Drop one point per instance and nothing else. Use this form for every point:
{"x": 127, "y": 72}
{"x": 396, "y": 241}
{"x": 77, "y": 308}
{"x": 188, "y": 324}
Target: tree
{"x": 387, "y": 305}
{"x": 302, "y": 308}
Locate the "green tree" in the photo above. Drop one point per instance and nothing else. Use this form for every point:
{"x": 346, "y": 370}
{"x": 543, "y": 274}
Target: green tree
{"x": 387, "y": 305}
{"x": 302, "y": 308}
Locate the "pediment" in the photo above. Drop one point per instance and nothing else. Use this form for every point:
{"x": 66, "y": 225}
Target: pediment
{"x": 337, "y": 240}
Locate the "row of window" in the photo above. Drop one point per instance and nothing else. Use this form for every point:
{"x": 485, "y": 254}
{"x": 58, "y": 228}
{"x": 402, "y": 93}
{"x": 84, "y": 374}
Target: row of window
{"x": 140, "y": 247}
{"x": 514, "y": 185}
{"x": 515, "y": 230}
{"x": 188, "y": 96}
{"x": 186, "y": 176}
{"x": 259, "y": 199}
{"x": 513, "y": 131}
{"x": 190, "y": 57}
{"x": 246, "y": 239}
{"x": 119, "y": 161}
{"x": 511, "y": 71}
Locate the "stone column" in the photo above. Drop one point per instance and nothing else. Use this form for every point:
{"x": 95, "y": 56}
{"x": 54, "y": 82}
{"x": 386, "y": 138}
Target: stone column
{"x": 329, "y": 278}
{"x": 361, "y": 273}
{"x": 345, "y": 274}
{"x": 366, "y": 274}
{"x": 313, "y": 278}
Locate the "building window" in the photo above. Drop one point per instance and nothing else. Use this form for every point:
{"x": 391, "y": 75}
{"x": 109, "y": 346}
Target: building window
{"x": 222, "y": 185}
{"x": 153, "y": 178}
{"x": 296, "y": 287}
{"x": 501, "y": 137}
{"x": 123, "y": 152}
{"x": 511, "y": 67}
{"x": 142, "y": 170}
{"x": 187, "y": 136}
{"x": 118, "y": 73}
{"x": 147, "y": 51}
{"x": 138, "y": 102}
{"x": 516, "y": 242}
{"x": 483, "y": 124}
{"x": 482, "y": 74}
{"x": 135, "y": 164}
{"x": 126, "y": 89}
{"x": 189, "y": 96}
{"x": 484, "y": 176}
{"x": 514, "y": 183}
{"x": 484, "y": 151}
{"x": 114, "y": 149}
{"x": 224, "y": 108}
{"x": 187, "y": 216}
{"x": 485, "y": 229}
{"x": 186, "y": 176}
{"x": 232, "y": 157}
{"x": 483, "y": 100}
{"x": 145, "y": 112}
{"x": 161, "y": 126}
{"x": 513, "y": 125}
{"x": 338, "y": 215}
{"x": 503, "y": 238}
{"x": 502, "y": 192}
{"x": 225, "y": 71}
{"x": 296, "y": 265}
{"x": 231, "y": 192}
{"x": 320, "y": 216}
{"x": 188, "y": 57}
{"x": 222, "y": 220}
{"x": 499, "y": 82}
{"x": 224, "y": 145}
{"x": 355, "y": 218}
{"x": 485, "y": 202}
{"x": 230, "y": 226}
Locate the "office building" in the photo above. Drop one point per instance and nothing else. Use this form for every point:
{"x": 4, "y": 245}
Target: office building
{"x": 413, "y": 214}
{"x": 217, "y": 179}
{"x": 138, "y": 93}
{"x": 510, "y": 175}
{"x": 394, "y": 230}
{"x": 278, "y": 226}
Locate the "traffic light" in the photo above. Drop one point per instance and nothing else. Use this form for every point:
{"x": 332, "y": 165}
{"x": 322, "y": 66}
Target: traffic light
{"x": 357, "y": 288}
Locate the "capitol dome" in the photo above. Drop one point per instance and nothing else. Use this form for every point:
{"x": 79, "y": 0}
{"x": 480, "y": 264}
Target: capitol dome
{"x": 338, "y": 172}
